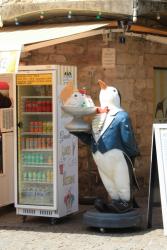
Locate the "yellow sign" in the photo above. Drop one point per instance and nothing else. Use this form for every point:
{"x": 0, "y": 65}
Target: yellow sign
{"x": 34, "y": 79}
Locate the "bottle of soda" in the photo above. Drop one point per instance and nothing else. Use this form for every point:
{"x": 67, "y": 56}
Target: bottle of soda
{"x": 29, "y": 176}
{"x": 39, "y": 176}
{"x": 29, "y": 160}
{"x": 22, "y": 142}
{"x": 41, "y": 158}
{"x": 43, "y": 176}
{"x": 25, "y": 176}
{"x": 32, "y": 158}
{"x": 50, "y": 160}
{"x": 34, "y": 177}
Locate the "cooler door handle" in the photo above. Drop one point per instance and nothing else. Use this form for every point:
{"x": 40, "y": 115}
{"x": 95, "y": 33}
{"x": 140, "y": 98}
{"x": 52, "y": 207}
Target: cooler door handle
{"x": 20, "y": 124}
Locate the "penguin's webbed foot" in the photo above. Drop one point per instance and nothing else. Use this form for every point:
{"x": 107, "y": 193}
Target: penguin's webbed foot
{"x": 116, "y": 206}
{"x": 100, "y": 205}
{"x": 119, "y": 206}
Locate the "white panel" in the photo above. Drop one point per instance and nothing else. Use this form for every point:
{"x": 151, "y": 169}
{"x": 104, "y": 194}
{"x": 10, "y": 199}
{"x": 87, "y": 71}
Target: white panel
{"x": 7, "y": 178}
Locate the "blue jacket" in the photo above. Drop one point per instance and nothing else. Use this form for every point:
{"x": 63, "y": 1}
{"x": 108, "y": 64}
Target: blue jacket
{"x": 118, "y": 135}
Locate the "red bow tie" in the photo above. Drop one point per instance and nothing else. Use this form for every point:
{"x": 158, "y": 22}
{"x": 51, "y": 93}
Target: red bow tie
{"x": 102, "y": 110}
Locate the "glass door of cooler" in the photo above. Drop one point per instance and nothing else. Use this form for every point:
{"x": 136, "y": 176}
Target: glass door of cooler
{"x": 35, "y": 145}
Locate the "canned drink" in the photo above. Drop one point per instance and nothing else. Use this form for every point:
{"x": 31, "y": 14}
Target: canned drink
{"x": 33, "y": 106}
{"x": 26, "y": 106}
{"x": 36, "y": 126}
{"x": 40, "y": 126}
{"x": 48, "y": 106}
{"x": 43, "y": 106}
{"x": 45, "y": 127}
{"x": 31, "y": 144}
{"x": 49, "y": 142}
{"x": 39, "y": 142}
{"x": 27, "y": 142}
{"x": 35, "y": 142}
{"x": 38, "y": 106}
{"x": 48, "y": 127}
{"x": 51, "y": 127}
{"x": 43, "y": 142}
{"x": 31, "y": 126}
{"x": 30, "y": 106}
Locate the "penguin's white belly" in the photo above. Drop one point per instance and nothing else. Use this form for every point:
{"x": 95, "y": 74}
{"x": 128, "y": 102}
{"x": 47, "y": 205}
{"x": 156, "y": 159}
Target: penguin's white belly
{"x": 113, "y": 170}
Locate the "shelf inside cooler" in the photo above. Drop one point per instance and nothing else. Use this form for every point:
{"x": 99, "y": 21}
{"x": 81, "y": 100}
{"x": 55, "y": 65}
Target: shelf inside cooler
{"x": 37, "y": 133}
{"x": 38, "y": 166}
{"x": 37, "y": 196}
{"x": 37, "y": 182}
{"x": 37, "y": 113}
{"x": 35, "y": 97}
{"x": 38, "y": 150}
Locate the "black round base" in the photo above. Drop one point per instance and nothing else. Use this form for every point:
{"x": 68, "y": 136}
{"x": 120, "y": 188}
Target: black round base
{"x": 94, "y": 218}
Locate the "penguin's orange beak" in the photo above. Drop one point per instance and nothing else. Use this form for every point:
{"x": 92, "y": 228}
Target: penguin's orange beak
{"x": 102, "y": 84}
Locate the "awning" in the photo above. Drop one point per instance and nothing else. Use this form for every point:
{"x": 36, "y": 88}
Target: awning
{"x": 27, "y": 38}
{"x": 34, "y": 37}
{"x": 15, "y": 40}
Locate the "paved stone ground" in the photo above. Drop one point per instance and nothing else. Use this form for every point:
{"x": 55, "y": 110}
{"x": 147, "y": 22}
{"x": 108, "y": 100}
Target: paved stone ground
{"x": 71, "y": 234}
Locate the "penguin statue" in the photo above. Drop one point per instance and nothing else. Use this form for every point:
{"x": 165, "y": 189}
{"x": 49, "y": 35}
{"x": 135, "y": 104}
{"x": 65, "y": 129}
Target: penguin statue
{"x": 113, "y": 148}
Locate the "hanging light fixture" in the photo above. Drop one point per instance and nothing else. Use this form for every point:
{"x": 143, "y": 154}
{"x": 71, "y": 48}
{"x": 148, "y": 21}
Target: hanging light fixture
{"x": 69, "y": 14}
{"x": 41, "y": 15}
{"x": 158, "y": 16}
{"x": 16, "y": 21}
{"x": 98, "y": 16}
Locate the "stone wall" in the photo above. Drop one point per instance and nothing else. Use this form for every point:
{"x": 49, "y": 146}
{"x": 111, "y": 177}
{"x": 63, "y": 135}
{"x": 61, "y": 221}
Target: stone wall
{"x": 19, "y": 8}
{"x": 132, "y": 75}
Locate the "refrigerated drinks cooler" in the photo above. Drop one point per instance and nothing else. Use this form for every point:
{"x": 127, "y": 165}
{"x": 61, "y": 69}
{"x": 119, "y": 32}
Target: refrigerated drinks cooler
{"x": 46, "y": 178}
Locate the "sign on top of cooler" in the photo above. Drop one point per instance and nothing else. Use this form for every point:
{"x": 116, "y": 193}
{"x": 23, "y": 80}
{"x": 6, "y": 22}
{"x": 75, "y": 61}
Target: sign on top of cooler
{"x": 34, "y": 79}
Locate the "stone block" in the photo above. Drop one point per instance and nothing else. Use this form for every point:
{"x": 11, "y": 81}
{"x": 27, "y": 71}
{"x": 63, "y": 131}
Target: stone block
{"x": 140, "y": 84}
{"x": 70, "y": 49}
{"x": 57, "y": 59}
{"x": 126, "y": 59}
{"x": 156, "y": 60}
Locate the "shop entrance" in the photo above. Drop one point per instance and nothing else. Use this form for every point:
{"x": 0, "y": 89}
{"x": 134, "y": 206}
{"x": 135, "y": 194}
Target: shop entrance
{"x": 160, "y": 94}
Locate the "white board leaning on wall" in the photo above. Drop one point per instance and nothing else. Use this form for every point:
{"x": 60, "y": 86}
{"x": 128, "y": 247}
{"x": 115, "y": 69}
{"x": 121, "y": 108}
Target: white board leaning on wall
{"x": 160, "y": 134}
